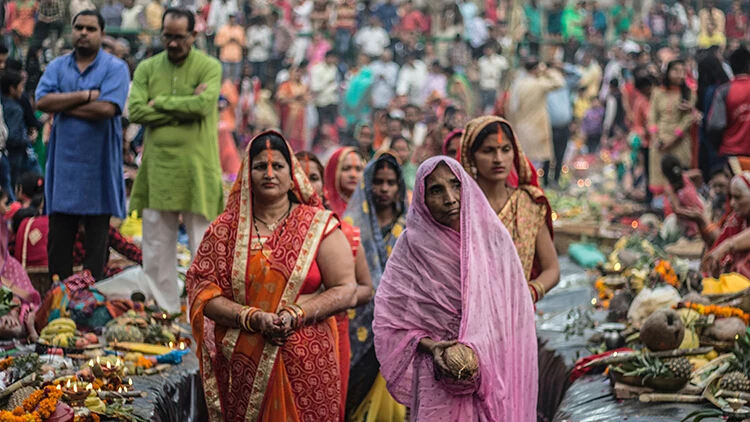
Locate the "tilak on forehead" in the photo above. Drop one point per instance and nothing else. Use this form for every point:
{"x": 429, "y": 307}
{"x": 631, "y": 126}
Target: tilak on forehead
{"x": 307, "y": 164}
{"x": 269, "y": 151}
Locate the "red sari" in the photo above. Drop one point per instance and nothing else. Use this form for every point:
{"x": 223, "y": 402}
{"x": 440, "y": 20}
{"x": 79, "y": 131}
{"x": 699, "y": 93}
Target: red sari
{"x": 738, "y": 262}
{"x": 336, "y": 201}
{"x": 246, "y": 378}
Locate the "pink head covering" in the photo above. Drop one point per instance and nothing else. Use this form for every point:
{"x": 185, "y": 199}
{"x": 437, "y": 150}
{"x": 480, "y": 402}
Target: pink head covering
{"x": 466, "y": 286}
{"x": 449, "y": 138}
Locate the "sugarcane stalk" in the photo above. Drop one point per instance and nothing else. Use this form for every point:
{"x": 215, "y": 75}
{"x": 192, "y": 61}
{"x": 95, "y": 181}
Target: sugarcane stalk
{"x": 107, "y": 395}
{"x": 23, "y": 382}
{"x": 156, "y": 369}
{"x": 627, "y": 356}
{"x": 733, "y": 394}
{"x": 675, "y": 398}
{"x": 716, "y": 374}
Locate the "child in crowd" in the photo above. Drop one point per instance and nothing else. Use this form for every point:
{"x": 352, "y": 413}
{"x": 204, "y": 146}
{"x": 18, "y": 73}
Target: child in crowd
{"x": 22, "y": 157}
{"x": 30, "y": 187}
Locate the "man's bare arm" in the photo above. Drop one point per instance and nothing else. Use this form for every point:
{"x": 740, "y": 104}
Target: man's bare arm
{"x": 65, "y": 101}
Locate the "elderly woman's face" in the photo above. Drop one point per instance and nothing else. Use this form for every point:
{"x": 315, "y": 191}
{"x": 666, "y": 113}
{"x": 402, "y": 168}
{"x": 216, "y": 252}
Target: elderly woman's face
{"x": 442, "y": 195}
{"x": 739, "y": 197}
{"x": 270, "y": 174}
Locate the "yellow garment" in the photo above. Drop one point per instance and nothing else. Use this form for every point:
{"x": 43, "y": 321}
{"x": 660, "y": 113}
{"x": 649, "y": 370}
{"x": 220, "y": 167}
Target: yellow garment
{"x": 580, "y": 107}
{"x": 379, "y": 405}
{"x": 727, "y": 283}
{"x": 132, "y": 226}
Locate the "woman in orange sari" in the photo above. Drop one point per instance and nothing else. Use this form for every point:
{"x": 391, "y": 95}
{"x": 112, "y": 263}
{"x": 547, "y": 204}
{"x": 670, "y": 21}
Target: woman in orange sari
{"x": 293, "y": 97}
{"x": 267, "y": 351}
{"x": 491, "y": 154}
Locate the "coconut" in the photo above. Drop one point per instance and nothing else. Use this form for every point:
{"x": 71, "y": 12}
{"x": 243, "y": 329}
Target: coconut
{"x": 725, "y": 329}
{"x": 663, "y": 330}
{"x": 461, "y": 361}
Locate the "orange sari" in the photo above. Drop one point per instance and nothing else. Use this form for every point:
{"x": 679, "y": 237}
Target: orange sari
{"x": 293, "y": 113}
{"x": 527, "y": 209}
{"x": 246, "y": 378}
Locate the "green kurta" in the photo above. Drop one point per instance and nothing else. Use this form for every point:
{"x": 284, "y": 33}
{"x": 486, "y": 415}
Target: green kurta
{"x": 181, "y": 170}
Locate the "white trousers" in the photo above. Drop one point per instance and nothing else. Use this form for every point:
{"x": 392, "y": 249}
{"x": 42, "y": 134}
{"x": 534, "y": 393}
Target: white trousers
{"x": 160, "y": 252}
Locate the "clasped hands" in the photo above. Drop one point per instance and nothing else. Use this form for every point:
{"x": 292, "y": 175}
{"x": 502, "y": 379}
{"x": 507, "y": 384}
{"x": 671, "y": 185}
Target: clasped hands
{"x": 275, "y": 328}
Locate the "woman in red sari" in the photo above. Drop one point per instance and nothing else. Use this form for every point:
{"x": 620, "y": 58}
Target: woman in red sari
{"x": 491, "y": 154}
{"x": 314, "y": 170}
{"x": 342, "y": 175}
{"x": 267, "y": 354}
{"x": 731, "y": 250}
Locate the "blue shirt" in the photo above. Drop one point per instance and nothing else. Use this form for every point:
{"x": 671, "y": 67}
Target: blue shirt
{"x": 84, "y": 164}
{"x": 388, "y": 15}
{"x": 559, "y": 104}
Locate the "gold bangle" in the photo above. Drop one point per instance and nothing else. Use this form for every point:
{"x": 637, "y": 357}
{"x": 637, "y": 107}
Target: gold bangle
{"x": 539, "y": 289}
{"x": 247, "y": 316}
{"x": 534, "y": 293}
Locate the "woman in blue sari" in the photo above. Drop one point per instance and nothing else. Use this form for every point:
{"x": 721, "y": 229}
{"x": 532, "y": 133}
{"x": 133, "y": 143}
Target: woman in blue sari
{"x": 378, "y": 209}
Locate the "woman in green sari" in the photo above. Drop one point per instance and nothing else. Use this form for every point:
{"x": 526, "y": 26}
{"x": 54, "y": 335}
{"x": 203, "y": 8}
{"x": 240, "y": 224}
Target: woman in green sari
{"x": 357, "y": 105}
{"x": 378, "y": 209}
{"x": 460, "y": 91}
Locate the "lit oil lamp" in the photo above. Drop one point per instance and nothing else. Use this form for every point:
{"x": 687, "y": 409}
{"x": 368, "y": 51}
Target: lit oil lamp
{"x": 108, "y": 370}
{"x": 73, "y": 394}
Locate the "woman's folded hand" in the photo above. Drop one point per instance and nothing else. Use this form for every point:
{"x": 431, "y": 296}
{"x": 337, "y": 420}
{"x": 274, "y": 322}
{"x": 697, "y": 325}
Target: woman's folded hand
{"x": 271, "y": 326}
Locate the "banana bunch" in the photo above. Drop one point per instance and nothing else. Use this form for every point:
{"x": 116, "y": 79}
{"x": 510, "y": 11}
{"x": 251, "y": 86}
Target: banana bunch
{"x": 132, "y": 357}
{"x": 59, "y": 332}
{"x": 95, "y": 404}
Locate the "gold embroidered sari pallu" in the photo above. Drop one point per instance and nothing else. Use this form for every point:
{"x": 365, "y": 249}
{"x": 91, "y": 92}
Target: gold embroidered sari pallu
{"x": 527, "y": 209}
{"x": 246, "y": 378}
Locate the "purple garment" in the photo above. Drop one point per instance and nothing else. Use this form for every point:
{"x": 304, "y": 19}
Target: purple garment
{"x": 466, "y": 286}
{"x": 593, "y": 121}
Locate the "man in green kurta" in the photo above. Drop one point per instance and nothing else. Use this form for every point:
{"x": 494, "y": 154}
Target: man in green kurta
{"x": 175, "y": 96}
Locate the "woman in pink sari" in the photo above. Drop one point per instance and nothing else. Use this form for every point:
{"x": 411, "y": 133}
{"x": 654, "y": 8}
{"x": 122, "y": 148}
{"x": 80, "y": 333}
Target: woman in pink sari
{"x": 454, "y": 276}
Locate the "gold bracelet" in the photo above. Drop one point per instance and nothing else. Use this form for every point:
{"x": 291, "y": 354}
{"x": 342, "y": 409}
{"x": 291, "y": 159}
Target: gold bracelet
{"x": 539, "y": 289}
{"x": 247, "y": 314}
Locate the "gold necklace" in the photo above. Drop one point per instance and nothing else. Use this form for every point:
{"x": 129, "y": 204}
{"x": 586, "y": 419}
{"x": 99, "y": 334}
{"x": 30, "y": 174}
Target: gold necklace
{"x": 272, "y": 227}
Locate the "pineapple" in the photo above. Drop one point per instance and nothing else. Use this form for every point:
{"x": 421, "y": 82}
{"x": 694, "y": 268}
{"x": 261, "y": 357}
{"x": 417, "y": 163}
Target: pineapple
{"x": 735, "y": 381}
{"x": 737, "y": 377}
{"x": 680, "y": 367}
{"x": 16, "y": 400}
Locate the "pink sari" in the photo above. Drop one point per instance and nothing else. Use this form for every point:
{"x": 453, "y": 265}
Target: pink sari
{"x": 468, "y": 287}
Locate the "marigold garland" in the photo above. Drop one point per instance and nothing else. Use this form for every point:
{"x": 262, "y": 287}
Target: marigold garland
{"x": 92, "y": 417}
{"x": 36, "y": 408}
{"x": 605, "y": 294}
{"x": 6, "y": 363}
{"x": 719, "y": 311}
{"x": 666, "y": 272}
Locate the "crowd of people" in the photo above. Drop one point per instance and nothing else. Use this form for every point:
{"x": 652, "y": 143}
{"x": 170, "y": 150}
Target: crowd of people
{"x": 387, "y": 159}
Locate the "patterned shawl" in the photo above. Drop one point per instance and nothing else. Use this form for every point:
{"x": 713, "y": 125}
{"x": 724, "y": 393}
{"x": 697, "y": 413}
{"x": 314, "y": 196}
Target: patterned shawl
{"x": 361, "y": 214}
